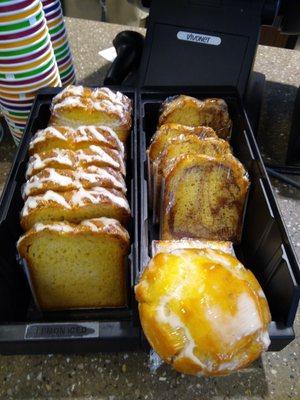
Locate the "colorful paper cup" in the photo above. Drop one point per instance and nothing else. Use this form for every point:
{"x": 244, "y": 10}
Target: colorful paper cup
{"x": 27, "y": 57}
{"x": 25, "y": 66}
{"x": 26, "y": 74}
{"x": 16, "y": 5}
{"x": 9, "y": 28}
{"x": 12, "y": 45}
{"x": 53, "y": 15}
{"x": 23, "y": 33}
{"x": 21, "y": 52}
{"x": 20, "y": 15}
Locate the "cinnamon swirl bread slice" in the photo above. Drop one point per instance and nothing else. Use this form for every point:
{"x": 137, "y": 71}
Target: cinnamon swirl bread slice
{"x": 179, "y": 147}
{"x": 190, "y": 111}
{"x": 77, "y": 266}
{"x": 74, "y": 206}
{"x": 204, "y": 197}
{"x": 170, "y": 131}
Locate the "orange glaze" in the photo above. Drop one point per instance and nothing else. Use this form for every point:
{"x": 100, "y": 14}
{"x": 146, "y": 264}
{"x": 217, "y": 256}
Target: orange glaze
{"x": 202, "y": 311}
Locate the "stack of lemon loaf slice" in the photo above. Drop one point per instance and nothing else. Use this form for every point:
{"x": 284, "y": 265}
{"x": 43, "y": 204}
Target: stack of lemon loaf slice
{"x": 75, "y": 206}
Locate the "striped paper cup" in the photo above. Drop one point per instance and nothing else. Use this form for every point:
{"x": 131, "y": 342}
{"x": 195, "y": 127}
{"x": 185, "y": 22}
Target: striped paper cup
{"x": 19, "y": 34}
{"x": 25, "y": 40}
{"x": 22, "y": 24}
{"x": 27, "y": 65}
{"x": 53, "y": 15}
{"x": 16, "y": 5}
{"x": 26, "y": 57}
{"x": 20, "y": 15}
{"x": 35, "y": 71}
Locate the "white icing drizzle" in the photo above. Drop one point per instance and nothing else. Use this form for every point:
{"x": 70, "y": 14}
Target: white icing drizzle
{"x": 63, "y": 157}
{"x": 114, "y": 135}
{"x": 69, "y": 101}
{"x": 68, "y": 179}
{"x": 175, "y": 322}
{"x": 70, "y": 90}
{"x": 33, "y": 201}
{"x": 99, "y": 155}
{"x": 59, "y": 227}
{"x": 232, "y": 328}
{"x": 92, "y": 130}
{"x": 93, "y": 227}
{"x": 41, "y": 135}
{"x": 82, "y": 195}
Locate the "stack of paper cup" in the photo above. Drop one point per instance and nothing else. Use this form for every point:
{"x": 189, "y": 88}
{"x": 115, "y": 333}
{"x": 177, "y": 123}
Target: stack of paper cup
{"x": 27, "y": 61}
{"x": 58, "y": 33}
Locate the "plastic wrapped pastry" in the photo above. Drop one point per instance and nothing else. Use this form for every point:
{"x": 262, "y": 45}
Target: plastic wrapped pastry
{"x": 202, "y": 311}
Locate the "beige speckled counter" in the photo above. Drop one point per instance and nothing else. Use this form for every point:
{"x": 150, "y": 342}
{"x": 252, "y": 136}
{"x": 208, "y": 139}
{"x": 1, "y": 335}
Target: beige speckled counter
{"x": 127, "y": 375}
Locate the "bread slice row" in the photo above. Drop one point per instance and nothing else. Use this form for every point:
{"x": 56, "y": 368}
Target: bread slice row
{"x": 75, "y": 206}
{"x": 75, "y": 211}
{"x": 66, "y": 179}
{"x": 77, "y": 106}
{"x": 84, "y": 136}
{"x": 77, "y": 266}
{"x": 60, "y": 158}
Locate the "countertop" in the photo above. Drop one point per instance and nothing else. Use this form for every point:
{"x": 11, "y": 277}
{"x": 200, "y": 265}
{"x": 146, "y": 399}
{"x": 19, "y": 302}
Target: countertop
{"x": 127, "y": 375}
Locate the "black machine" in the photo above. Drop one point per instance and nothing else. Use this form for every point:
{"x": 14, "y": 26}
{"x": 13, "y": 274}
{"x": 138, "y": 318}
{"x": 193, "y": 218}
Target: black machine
{"x": 207, "y": 43}
{"x": 204, "y": 48}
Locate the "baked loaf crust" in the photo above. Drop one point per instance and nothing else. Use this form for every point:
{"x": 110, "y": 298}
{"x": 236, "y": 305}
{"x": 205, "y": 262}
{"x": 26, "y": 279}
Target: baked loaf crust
{"x": 204, "y": 197}
{"x": 170, "y": 131}
{"x": 168, "y": 246}
{"x": 74, "y": 206}
{"x": 63, "y": 137}
{"x": 203, "y": 312}
{"x": 76, "y": 106}
{"x": 77, "y": 266}
{"x": 66, "y": 179}
{"x": 69, "y": 159}
{"x": 190, "y": 111}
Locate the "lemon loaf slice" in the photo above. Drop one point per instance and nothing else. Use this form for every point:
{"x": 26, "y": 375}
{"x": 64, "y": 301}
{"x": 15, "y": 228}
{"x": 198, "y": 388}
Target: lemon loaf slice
{"x": 168, "y": 246}
{"x": 186, "y": 145}
{"x": 70, "y": 159}
{"x": 204, "y": 197}
{"x": 190, "y": 111}
{"x": 74, "y": 206}
{"x": 102, "y": 93}
{"x": 170, "y": 131}
{"x": 77, "y": 266}
{"x": 66, "y": 179}
{"x": 68, "y": 138}
{"x": 93, "y": 107}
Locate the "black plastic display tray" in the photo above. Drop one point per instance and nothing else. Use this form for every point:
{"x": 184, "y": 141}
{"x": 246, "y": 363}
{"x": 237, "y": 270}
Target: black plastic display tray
{"x": 265, "y": 247}
{"x": 23, "y": 327}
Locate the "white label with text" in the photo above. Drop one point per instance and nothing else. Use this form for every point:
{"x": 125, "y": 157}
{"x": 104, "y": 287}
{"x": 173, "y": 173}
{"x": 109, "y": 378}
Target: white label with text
{"x": 199, "y": 38}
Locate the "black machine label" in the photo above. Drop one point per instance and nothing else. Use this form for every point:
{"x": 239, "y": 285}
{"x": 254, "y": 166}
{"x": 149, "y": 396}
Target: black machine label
{"x": 199, "y": 38}
{"x": 62, "y": 331}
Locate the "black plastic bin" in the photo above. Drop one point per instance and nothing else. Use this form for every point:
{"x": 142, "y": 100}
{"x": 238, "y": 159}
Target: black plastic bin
{"x": 23, "y": 327}
{"x": 265, "y": 246}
